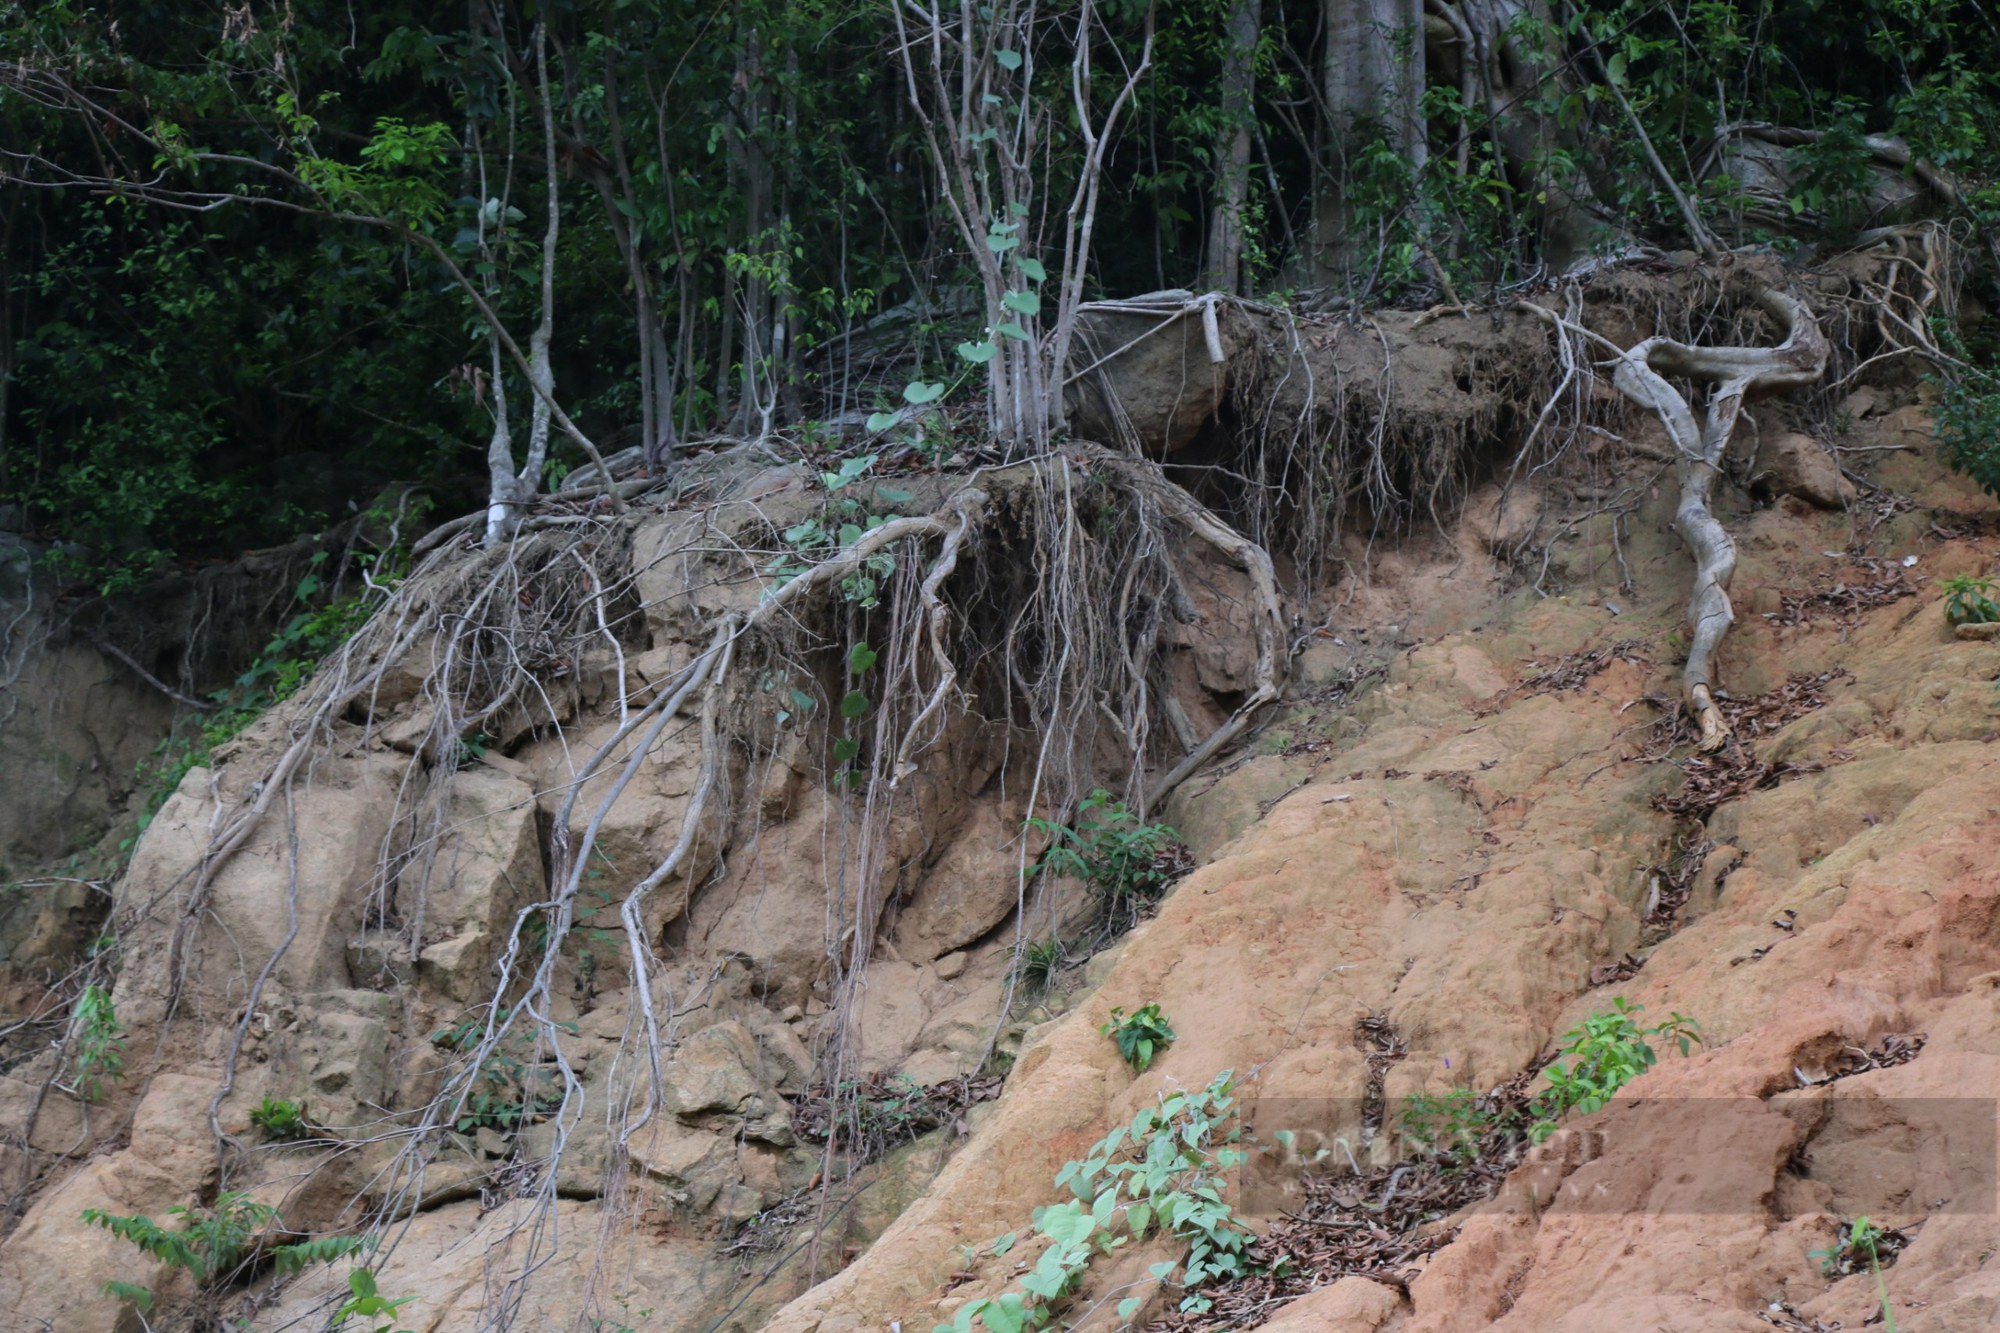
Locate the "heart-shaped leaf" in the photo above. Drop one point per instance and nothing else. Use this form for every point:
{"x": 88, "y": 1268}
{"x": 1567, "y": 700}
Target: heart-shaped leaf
{"x": 978, "y": 353}
{"x": 918, "y": 393}
{"x": 1022, "y": 303}
{"x": 1008, "y": 60}
{"x": 1031, "y": 269}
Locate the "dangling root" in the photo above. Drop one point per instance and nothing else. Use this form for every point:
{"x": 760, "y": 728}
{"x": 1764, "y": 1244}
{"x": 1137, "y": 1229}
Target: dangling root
{"x": 1269, "y": 611}
{"x": 1737, "y": 372}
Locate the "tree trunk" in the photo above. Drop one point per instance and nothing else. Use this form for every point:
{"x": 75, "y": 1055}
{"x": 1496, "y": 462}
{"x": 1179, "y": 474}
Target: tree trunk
{"x": 755, "y": 406}
{"x": 509, "y": 490}
{"x": 1224, "y": 252}
{"x": 1374, "y": 87}
{"x": 1512, "y": 81}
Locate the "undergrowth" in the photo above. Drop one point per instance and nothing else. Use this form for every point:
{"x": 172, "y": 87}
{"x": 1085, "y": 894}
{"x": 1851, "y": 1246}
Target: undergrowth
{"x": 215, "y": 1244}
{"x": 97, "y": 1043}
{"x": 508, "y": 1088}
{"x": 1125, "y": 862}
{"x": 1161, "y": 1174}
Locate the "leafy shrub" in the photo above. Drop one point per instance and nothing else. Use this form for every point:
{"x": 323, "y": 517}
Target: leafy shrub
{"x": 281, "y": 1120}
{"x": 1123, "y": 861}
{"x": 1608, "y": 1051}
{"x": 1967, "y": 425}
{"x": 1162, "y": 1172}
{"x": 1139, "y": 1035}
{"x": 507, "y": 1090}
{"x": 1450, "y": 1126}
{"x": 97, "y": 1042}
{"x": 1969, "y": 600}
{"x": 213, "y": 1243}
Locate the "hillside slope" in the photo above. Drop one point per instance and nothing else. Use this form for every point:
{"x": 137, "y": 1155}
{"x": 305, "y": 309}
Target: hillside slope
{"x": 1459, "y": 848}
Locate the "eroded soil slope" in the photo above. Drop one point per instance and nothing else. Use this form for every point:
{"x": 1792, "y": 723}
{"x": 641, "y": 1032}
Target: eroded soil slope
{"x": 1459, "y": 845}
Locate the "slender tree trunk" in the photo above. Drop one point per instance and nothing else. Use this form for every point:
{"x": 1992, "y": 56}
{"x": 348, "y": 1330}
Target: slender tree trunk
{"x": 500, "y": 500}
{"x": 755, "y": 406}
{"x": 1224, "y": 251}
{"x": 509, "y": 490}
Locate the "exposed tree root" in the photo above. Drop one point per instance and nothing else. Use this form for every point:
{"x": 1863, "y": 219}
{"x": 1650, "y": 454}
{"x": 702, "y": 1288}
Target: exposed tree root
{"x": 1736, "y": 372}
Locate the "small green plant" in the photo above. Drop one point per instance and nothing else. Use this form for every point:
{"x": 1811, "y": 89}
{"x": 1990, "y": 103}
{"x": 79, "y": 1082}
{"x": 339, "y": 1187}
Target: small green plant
{"x": 1039, "y": 963}
{"x": 1608, "y": 1051}
{"x": 1139, "y": 1035}
{"x": 1160, "y": 1173}
{"x": 1969, "y": 600}
{"x": 213, "y": 1243}
{"x": 282, "y": 1121}
{"x": 97, "y": 1043}
{"x": 507, "y": 1090}
{"x": 1862, "y": 1244}
{"x": 368, "y": 1304}
{"x": 1123, "y": 861}
{"x": 1449, "y": 1127}
{"x": 844, "y": 522}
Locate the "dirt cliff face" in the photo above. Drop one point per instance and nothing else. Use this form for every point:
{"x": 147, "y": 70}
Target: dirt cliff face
{"x": 1472, "y": 855}
{"x": 1473, "y": 822}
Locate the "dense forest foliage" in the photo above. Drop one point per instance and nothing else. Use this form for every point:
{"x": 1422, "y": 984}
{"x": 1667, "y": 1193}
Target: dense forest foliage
{"x": 258, "y": 260}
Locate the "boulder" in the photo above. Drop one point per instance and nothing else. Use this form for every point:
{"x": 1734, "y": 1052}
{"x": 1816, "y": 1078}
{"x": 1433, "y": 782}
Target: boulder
{"x": 718, "y": 1069}
{"x": 462, "y": 897}
{"x": 972, "y": 887}
{"x": 1799, "y": 465}
{"x": 1150, "y": 380}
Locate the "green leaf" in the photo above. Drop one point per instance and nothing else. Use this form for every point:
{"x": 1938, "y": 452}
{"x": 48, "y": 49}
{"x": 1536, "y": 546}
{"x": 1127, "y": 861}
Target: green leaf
{"x": 1160, "y": 1271}
{"x": 978, "y": 353}
{"x": 1004, "y": 1244}
{"x": 853, "y": 704}
{"x": 1031, "y": 269}
{"x": 1006, "y": 1315}
{"x": 1000, "y": 244}
{"x": 1014, "y": 331}
{"x": 1022, "y": 303}
{"x": 893, "y": 496}
{"x": 1008, "y": 60}
{"x": 881, "y": 421}
{"x": 845, "y": 749}
{"x": 1614, "y": 69}
{"x": 860, "y": 658}
{"x": 1129, "y": 1307}
{"x": 918, "y": 393}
